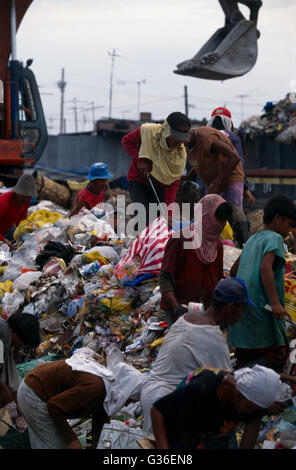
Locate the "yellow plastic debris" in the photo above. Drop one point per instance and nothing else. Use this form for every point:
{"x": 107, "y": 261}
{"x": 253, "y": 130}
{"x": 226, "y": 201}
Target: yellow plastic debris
{"x": 227, "y": 233}
{"x": 35, "y": 221}
{"x": 157, "y": 342}
{"x": 5, "y": 287}
{"x": 94, "y": 256}
{"x": 116, "y": 304}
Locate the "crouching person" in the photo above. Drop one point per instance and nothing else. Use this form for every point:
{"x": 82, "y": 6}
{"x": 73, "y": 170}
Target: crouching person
{"x": 195, "y": 340}
{"x": 54, "y": 392}
{"x": 210, "y": 403}
{"x": 20, "y": 329}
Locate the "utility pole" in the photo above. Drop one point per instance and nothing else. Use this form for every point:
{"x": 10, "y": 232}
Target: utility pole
{"x": 112, "y": 55}
{"x": 62, "y": 86}
{"x": 75, "y": 115}
{"x": 242, "y": 106}
{"x": 139, "y": 95}
{"x": 93, "y": 108}
{"x": 93, "y": 112}
{"x": 186, "y": 100}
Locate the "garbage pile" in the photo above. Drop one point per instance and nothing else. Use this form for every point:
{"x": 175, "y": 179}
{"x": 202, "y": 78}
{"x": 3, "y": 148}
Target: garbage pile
{"x": 80, "y": 280}
{"x": 278, "y": 120}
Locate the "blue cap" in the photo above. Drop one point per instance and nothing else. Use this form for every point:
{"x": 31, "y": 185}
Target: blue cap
{"x": 233, "y": 290}
{"x": 98, "y": 171}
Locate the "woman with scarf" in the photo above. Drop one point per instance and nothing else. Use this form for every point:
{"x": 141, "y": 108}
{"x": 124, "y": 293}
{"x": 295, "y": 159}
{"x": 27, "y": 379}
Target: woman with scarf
{"x": 190, "y": 273}
{"x": 157, "y": 152}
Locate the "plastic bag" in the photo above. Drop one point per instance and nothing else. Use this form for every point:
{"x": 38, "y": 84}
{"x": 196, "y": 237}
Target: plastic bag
{"x": 290, "y": 297}
{"x": 6, "y": 287}
{"x": 50, "y": 233}
{"x": 24, "y": 257}
{"x": 54, "y": 266}
{"x": 81, "y": 239}
{"x": 75, "y": 306}
{"x": 118, "y": 304}
{"x": 118, "y": 435}
{"x": 5, "y": 255}
{"x": 99, "y": 226}
{"x": 100, "y": 213}
{"x": 227, "y": 233}
{"x": 128, "y": 271}
{"x": 106, "y": 271}
{"x": 287, "y": 435}
{"x": 92, "y": 268}
{"x": 105, "y": 251}
{"x": 34, "y": 222}
{"x": 114, "y": 357}
{"x": 48, "y": 205}
{"x": 26, "y": 279}
{"x": 230, "y": 256}
{"x": 94, "y": 256}
{"x": 11, "y": 303}
{"x": 287, "y": 136}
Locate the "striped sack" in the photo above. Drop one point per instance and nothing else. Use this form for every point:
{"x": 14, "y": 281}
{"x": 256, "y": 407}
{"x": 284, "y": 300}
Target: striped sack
{"x": 150, "y": 246}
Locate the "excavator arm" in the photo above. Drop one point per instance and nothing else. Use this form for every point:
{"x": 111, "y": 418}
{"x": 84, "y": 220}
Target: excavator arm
{"x": 232, "y": 50}
{"x": 21, "y": 6}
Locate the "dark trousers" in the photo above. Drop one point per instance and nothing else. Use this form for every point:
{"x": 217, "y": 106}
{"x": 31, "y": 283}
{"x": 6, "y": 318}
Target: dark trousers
{"x": 145, "y": 195}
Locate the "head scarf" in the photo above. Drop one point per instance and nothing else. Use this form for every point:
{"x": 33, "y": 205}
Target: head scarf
{"x": 260, "y": 385}
{"x": 226, "y": 121}
{"x": 211, "y": 228}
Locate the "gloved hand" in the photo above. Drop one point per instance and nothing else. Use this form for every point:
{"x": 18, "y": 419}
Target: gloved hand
{"x": 180, "y": 310}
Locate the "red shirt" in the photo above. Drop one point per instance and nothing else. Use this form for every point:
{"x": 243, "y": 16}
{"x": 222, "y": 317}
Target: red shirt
{"x": 90, "y": 198}
{"x": 10, "y": 214}
{"x": 132, "y": 143}
{"x": 195, "y": 282}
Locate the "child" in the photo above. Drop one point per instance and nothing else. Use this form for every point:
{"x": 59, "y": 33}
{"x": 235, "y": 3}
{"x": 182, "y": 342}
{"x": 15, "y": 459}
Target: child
{"x": 93, "y": 194}
{"x": 260, "y": 336}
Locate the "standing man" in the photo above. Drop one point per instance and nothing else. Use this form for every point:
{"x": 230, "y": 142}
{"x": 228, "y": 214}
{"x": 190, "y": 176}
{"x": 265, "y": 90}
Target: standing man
{"x": 14, "y": 206}
{"x": 215, "y": 160}
{"x": 158, "y": 152}
{"x": 222, "y": 121}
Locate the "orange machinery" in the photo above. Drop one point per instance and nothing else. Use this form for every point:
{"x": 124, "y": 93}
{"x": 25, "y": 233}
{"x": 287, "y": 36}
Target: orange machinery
{"x": 23, "y": 132}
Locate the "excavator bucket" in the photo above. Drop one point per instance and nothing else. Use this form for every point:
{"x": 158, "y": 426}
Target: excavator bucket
{"x": 231, "y": 52}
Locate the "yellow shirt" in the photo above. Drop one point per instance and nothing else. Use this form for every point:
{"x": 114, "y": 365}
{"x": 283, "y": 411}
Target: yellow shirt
{"x": 168, "y": 165}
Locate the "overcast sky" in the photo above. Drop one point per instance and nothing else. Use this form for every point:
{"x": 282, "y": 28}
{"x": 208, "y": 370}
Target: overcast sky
{"x": 150, "y": 38}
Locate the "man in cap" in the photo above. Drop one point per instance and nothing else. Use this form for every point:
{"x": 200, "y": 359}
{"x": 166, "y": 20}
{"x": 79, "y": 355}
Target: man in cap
{"x": 221, "y": 119}
{"x": 195, "y": 340}
{"x": 210, "y": 404}
{"x": 216, "y": 161}
{"x": 14, "y": 206}
{"x": 158, "y": 157}
{"x": 93, "y": 193}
